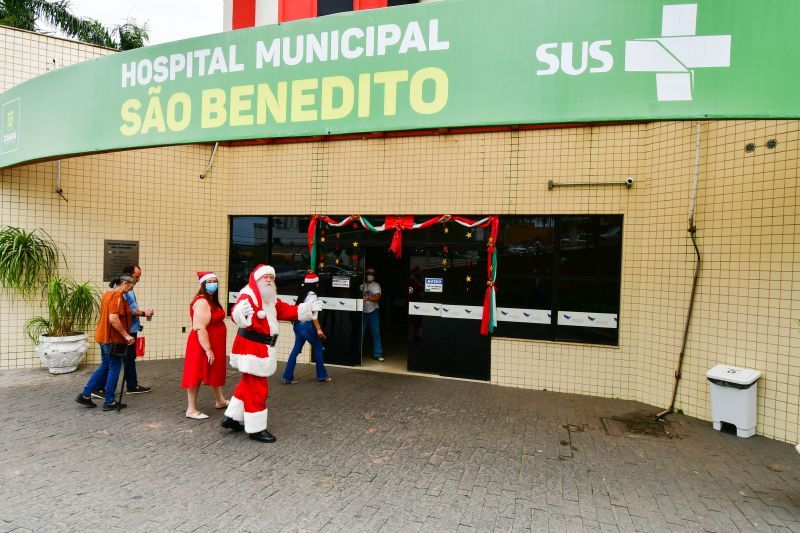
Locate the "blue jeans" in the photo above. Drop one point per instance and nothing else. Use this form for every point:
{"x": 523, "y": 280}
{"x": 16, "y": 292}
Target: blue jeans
{"x": 106, "y": 374}
{"x": 305, "y": 332}
{"x": 372, "y": 322}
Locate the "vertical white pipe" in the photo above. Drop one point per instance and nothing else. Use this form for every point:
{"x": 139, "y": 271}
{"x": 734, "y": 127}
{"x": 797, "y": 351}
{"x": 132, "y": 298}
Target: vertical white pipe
{"x": 210, "y": 161}
{"x": 695, "y": 178}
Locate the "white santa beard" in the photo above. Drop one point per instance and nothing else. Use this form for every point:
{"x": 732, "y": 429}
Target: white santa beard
{"x": 269, "y": 293}
{"x": 269, "y": 296}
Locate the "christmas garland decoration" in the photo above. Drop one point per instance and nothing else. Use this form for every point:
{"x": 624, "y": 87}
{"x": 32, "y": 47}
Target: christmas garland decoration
{"x": 406, "y": 222}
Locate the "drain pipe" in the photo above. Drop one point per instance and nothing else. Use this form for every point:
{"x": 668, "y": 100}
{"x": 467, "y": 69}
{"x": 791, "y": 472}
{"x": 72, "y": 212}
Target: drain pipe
{"x": 693, "y": 235}
{"x": 210, "y": 161}
{"x": 59, "y": 190}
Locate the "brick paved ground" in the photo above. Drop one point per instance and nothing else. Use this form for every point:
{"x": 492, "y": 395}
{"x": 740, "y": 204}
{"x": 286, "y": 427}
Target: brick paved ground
{"x": 376, "y": 452}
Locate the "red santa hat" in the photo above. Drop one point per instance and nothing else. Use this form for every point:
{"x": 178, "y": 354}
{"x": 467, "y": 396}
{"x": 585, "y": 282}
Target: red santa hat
{"x": 204, "y": 276}
{"x": 263, "y": 270}
{"x": 311, "y": 278}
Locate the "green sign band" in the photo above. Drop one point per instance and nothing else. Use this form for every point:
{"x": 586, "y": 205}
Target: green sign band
{"x": 455, "y": 63}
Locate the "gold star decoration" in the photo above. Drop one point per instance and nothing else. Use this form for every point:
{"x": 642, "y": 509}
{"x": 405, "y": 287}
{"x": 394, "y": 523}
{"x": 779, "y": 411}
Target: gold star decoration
{"x": 444, "y": 261}
{"x": 322, "y": 265}
{"x": 355, "y": 244}
{"x": 469, "y": 279}
{"x": 338, "y": 235}
{"x": 322, "y": 239}
{"x": 446, "y": 229}
{"x": 337, "y": 261}
{"x": 469, "y": 235}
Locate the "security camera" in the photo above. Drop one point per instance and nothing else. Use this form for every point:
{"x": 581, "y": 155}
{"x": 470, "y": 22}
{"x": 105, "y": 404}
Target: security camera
{"x": 629, "y": 182}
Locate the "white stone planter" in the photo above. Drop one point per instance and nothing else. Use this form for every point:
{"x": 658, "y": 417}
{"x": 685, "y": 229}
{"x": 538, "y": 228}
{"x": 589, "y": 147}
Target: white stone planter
{"x": 62, "y": 354}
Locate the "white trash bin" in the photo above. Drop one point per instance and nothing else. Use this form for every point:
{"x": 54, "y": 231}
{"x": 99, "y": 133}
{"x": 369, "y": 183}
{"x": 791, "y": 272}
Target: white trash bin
{"x": 733, "y": 398}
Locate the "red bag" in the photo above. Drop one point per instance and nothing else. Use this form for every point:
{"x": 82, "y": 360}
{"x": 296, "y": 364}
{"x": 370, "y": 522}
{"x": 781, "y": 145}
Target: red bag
{"x": 139, "y": 346}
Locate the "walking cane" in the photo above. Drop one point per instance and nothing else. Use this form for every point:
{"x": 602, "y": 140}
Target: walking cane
{"x": 122, "y": 387}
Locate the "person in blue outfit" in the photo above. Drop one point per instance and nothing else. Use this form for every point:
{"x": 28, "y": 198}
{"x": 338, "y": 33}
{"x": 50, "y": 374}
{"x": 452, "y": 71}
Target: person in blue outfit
{"x": 372, "y": 320}
{"x": 310, "y": 332}
{"x": 131, "y": 379}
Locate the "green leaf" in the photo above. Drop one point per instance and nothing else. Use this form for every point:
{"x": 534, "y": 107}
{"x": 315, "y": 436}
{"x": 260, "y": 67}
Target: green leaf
{"x": 27, "y": 259}
{"x": 71, "y": 308}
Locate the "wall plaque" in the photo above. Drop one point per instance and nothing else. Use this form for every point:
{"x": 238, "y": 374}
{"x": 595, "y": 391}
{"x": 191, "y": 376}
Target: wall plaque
{"x": 117, "y": 255}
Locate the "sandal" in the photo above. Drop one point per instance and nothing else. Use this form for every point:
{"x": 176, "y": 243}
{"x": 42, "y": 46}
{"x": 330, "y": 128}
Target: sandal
{"x": 326, "y": 380}
{"x": 289, "y": 381}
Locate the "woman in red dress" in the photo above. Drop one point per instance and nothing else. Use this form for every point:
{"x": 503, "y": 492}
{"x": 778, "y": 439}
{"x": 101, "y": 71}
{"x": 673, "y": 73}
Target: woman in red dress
{"x": 205, "y": 349}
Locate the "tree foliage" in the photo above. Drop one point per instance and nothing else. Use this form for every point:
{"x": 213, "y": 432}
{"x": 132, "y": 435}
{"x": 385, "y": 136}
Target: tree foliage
{"x": 29, "y": 14}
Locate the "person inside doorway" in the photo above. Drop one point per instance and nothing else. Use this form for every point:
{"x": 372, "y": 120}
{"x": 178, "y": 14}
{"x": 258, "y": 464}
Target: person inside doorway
{"x": 372, "y": 322}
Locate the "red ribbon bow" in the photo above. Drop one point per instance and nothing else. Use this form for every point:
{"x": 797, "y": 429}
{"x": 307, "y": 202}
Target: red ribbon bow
{"x": 399, "y": 224}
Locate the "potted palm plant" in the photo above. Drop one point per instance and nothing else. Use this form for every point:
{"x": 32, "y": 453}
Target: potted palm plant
{"x": 29, "y": 261}
{"x": 60, "y": 338}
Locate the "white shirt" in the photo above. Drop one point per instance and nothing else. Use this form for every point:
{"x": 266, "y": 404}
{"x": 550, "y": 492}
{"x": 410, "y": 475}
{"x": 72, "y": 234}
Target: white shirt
{"x": 370, "y": 289}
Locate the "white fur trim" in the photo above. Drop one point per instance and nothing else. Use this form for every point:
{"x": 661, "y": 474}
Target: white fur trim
{"x": 256, "y": 366}
{"x": 272, "y": 319}
{"x": 249, "y": 292}
{"x": 255, "y": 422}
{"x": 263, "y": 271}
{"x": 206, "y": 278}
{"x": 235, "y": 409}
{"x": 239, "y": 317}
{"x": 270, "y": 312}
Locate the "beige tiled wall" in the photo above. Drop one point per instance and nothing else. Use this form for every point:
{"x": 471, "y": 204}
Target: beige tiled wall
{"x": 746, "y": 222}
{"x": 26, "y": 55}
{"x": 747, "y": 230}
{"x": 151, "y": 196}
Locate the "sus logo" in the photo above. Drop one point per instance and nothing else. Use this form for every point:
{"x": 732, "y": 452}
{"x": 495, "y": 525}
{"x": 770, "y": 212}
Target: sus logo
{"x": 678, "y": 51}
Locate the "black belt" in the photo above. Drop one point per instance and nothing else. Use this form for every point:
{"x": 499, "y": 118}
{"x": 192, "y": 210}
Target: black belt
{"x": 269, "y": 340}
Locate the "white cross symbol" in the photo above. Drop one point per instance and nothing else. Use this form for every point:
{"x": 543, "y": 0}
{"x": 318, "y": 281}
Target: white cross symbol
{"x": 676, "y": 52}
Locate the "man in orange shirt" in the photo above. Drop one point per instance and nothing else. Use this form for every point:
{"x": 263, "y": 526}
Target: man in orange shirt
{"x": 112, "y": 328}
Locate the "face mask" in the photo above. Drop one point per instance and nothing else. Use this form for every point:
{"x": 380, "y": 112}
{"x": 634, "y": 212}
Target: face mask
{"x": 370, "y": 278}
{"x": 211, "y": 288}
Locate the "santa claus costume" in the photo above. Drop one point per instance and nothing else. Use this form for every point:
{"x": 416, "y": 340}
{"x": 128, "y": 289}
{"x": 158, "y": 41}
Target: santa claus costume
{"x": 257, "y": 312}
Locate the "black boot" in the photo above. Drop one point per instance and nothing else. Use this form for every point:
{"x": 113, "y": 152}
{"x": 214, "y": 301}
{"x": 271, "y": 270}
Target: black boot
{"x": 262, "y": 436}
{"x": 229, "y": 423}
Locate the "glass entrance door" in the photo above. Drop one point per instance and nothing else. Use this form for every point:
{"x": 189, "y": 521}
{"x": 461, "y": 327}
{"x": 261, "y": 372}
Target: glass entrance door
{"x": 445, "y": 287}
{"x": 341, "y": 315}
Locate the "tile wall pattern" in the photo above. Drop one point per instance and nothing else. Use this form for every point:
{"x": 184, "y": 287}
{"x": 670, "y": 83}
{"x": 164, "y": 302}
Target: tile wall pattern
{"x": 747, "y": 228}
